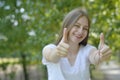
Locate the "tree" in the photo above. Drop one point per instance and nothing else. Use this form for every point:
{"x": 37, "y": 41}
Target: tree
{"x": 28, "y": 25}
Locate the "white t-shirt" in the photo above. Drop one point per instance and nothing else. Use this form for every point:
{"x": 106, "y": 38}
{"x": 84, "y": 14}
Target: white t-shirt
{"x": 64, "y": 71}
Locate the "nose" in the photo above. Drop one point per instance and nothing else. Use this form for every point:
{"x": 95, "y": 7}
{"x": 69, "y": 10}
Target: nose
{"x": 80, "y": 30}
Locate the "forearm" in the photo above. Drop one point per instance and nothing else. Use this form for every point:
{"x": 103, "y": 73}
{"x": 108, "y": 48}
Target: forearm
{"x": 103, "y": 52}
{"x": 53, "y": 56}
{"x": 96, "y": 56}
{"x": 50, "y": 54}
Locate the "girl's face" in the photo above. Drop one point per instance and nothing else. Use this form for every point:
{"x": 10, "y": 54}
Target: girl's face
{"x": 79, "y": 30}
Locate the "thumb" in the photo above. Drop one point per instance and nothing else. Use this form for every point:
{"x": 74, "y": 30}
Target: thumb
{"x": 101, "y": 41}
{"x": 65, "y": 34}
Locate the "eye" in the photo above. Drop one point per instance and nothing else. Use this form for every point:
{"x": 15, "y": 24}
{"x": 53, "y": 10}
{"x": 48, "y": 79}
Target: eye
{"x": 76, "y": 25}
{"x": 85, "y": 28}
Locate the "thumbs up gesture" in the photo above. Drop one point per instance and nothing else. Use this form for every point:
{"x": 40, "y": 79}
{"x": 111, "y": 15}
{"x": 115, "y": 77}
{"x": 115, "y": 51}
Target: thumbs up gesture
{"x": 63, "y": 46}
{"x": 104, "y": 50}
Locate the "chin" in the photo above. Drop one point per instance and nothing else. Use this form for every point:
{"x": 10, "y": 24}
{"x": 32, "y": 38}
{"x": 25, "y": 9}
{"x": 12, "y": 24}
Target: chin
{"x": 76, "y": 41}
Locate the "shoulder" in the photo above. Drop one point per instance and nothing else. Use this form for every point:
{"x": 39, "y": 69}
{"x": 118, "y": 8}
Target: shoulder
{"x": 48, "y": 49}
{"x": 49, "y": 46}
{"x": 89, "y": 46}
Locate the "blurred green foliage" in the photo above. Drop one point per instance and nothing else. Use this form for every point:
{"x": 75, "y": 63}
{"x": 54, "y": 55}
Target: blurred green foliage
{"x": 28, "y": 25}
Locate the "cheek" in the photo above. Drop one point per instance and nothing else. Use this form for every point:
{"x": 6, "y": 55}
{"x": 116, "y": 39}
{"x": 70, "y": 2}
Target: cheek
{"x": 86, "y": 33}
{"x": 70, "y": 34}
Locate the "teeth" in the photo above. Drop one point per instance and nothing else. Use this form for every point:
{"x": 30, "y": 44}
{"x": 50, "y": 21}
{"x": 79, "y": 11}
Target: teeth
{"x": 79, "y": 36}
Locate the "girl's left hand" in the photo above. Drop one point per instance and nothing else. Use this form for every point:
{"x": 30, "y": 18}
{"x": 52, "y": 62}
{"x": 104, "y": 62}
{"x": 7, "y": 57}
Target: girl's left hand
{"x": 104, "y": 50}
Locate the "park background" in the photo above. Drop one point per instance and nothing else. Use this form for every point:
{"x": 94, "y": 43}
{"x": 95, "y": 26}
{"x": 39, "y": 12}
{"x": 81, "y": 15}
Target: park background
{"x": 26, "y": 26}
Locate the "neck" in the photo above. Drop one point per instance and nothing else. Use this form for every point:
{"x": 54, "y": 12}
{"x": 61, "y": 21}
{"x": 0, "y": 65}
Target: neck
{"x": 74, "y": 48}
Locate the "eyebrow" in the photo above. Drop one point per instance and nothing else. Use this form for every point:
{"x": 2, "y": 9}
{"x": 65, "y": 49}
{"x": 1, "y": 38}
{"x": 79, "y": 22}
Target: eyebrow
{"x": 80, "y": 24}
{"x": 77, "y": 23}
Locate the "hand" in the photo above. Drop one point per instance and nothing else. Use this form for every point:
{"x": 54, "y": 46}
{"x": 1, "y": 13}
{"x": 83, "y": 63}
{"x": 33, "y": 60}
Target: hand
{"x": 104, "y": 50}
{"x": 63, "y": 46}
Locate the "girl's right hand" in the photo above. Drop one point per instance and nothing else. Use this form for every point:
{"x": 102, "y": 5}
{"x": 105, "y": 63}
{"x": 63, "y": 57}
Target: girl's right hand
{"x": 63, "y": 46}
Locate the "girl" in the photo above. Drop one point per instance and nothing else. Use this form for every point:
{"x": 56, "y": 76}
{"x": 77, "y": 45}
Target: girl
{"x": 71, "y": 56}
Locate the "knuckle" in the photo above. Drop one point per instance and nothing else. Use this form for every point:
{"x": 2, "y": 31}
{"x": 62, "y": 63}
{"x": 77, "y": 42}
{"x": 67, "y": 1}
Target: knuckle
{"x": 67, "y": 46}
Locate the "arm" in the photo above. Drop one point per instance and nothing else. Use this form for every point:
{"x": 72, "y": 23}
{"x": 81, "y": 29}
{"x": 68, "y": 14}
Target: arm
{"x": 97, "y": 56}
{"x": 61, "y": 50}
{"x": 50, "y": 54}
{"x": 101, "y": 54}
{"x": 94, "y": 58}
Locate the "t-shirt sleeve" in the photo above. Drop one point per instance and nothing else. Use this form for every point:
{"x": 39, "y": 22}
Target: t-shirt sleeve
{"x": 44, "y": 61}
{"x": 88, "y": 48}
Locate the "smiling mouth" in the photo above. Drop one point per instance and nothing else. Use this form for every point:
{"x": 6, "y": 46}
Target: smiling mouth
{"x": 78, "y": 37}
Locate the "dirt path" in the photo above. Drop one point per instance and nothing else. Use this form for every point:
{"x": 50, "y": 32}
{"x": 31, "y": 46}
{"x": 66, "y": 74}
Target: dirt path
{"x": 111, "y": 71}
